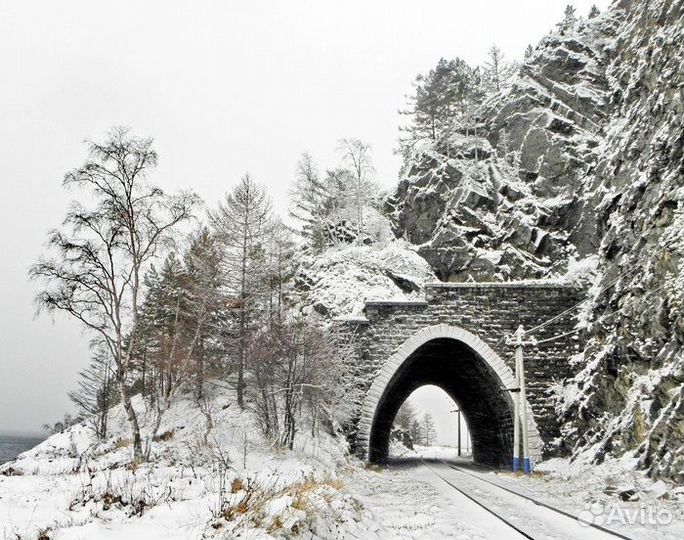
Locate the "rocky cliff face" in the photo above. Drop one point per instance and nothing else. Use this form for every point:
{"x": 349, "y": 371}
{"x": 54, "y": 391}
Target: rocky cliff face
{"x": 630, "y": 390}
{"x": 508, "y": 204}
{"x": 582, "y": 155}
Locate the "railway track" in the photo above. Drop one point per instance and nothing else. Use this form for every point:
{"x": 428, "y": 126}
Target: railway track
{"x": 526, "y": 517}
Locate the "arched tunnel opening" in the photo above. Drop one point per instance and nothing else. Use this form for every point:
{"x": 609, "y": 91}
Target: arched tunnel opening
{"x": 429, "y": 425}
{"x": 472, "y": 384}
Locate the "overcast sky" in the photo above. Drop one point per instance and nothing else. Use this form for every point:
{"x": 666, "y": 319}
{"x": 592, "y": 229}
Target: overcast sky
{"x": 223, "y": 87}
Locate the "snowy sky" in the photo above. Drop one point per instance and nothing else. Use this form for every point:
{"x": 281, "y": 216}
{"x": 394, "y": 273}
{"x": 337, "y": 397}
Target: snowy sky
{"x": 224, "y": 87}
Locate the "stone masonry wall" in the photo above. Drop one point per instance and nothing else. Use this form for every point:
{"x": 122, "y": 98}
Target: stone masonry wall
{"x": 489, "y": 310}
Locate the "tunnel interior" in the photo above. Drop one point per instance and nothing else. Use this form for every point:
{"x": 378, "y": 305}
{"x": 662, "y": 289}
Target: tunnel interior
{"x": 469, "y": 380}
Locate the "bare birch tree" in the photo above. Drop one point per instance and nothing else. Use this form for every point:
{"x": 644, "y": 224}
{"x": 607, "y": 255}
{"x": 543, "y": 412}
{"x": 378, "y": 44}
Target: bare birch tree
{"x": 104, "y": 247}
{"x": 293, "y": 363}
{"x": 356, "y": 156}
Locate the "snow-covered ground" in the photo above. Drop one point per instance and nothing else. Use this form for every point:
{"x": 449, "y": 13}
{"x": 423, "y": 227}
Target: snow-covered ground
{"x": 200, "y": 482}
{"x": 613, "y": 493}
{"x": 227, "y": 482}
{"x": 594, "y": 493}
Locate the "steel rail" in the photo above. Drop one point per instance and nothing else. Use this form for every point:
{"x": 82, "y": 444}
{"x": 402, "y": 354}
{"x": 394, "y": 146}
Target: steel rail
{"x": 535, "y": 501}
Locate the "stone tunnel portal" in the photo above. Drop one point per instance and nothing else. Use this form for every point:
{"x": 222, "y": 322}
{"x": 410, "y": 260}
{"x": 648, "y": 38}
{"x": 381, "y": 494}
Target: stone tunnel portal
{"x": 469, "y": 380}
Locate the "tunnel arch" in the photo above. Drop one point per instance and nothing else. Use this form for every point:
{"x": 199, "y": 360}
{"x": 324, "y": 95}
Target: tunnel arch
{"x": 468, "y": 370}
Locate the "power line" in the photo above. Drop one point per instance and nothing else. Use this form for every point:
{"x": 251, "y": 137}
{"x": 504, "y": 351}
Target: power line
{"x": 578, "y": 304}
{"x": 603, "y": 318}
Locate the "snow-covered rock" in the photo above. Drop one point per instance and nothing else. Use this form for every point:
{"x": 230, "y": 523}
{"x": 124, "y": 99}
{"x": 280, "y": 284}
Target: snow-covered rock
{"x": 337, "y": 282}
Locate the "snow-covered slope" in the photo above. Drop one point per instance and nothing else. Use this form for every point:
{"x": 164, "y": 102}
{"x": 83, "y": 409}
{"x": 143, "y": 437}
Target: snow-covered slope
{"x": 225, "y": 482}
{"x": 210, "y": 475}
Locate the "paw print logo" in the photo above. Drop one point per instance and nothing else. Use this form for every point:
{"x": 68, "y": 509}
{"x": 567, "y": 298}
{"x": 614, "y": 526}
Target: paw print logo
{"x": 591, "y": 515}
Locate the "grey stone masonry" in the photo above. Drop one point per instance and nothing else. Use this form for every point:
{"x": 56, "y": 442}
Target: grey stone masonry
{"x": 488, "y": 311}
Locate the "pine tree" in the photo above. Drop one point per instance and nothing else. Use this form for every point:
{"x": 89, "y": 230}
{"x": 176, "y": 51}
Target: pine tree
{"x": 569, "y": 20}
{"x": 498, "y": 71}
{"x": 528, "y": 52}
{"x": 178, "y": 320}
{"x": 242, "y": 222}
{"x": 405, "y": 416}
{"x": 96, "y": 392}
{"x": 594, "y": 11}
{"x": 440, "y": 100}
{"x": 202, "y": 262}
{"x": 279, "y": 269}
{"x": 494, "y": 68}
{"x": 416, "y": 431}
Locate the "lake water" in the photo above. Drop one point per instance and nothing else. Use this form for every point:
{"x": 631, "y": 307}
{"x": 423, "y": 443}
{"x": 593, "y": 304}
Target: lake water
{"x": 13, "y": 445}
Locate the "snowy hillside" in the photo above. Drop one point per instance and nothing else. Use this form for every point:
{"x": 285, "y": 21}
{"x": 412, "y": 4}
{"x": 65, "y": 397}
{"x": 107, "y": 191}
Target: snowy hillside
{"x": 210, "y": 475}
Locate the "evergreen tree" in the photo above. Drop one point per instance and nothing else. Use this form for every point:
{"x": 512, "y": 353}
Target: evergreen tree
{"x": 202, "y": 262}
{"x": 594, "y": 11}
{"x": 242, "y": 222}
{"x": 179, "y": 323}
{"x": 498, "y": 71}
{"x": 416, "y": 431}
{"x": 405, "y": 416}
{"x": 441, "y": 98}
{"x": 569, "y": 20}
{"x": 96, "y": 392}
{"x": 494, "y": 68}
{"x": 279, "y": 269}
{"x": 528, "y": 52}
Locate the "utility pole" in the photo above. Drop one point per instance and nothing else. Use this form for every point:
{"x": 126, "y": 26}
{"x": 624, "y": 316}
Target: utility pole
{"x": 458, "y": 429}
{"x": 459, "y": 432}
{"x": 520, "y": 430}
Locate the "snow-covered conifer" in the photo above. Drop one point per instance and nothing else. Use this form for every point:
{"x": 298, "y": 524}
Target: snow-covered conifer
{"x": 242, "y": 223}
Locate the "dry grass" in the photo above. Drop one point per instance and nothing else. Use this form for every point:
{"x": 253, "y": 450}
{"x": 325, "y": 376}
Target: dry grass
{"x": 237, "y": 485}
{"x": 520, "y": 474}
{"x": 122, "y": 442}
{"x": 166, "y": 436}
{"x": 307, "y": 496}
